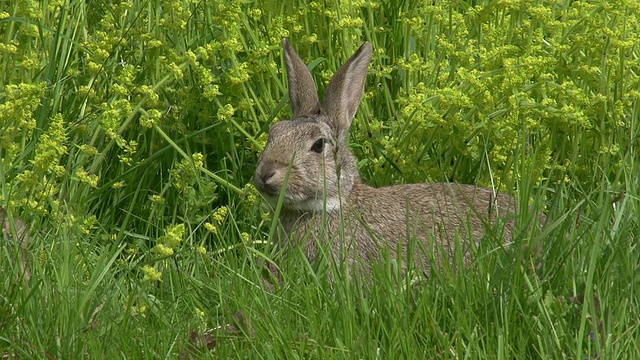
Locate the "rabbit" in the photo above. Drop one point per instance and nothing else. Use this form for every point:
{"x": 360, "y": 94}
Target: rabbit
{"x": 21, "y": 238}
{"x": 325, "y": 202}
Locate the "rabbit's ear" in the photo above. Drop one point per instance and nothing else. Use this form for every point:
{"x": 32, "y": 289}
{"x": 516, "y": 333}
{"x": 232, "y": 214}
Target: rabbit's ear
{"x": 344, "y": 93}
{"x": 302, "y": 89}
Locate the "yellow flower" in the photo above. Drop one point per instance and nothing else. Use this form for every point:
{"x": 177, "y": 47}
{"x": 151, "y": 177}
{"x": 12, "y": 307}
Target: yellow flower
{"x": 212, "y": 228}
{"x": 138, "y": 310}
{"x": 226, "y": 112}
{"x": 118, "y": 185}
{"x": 154, "y": 43}
{"x": 162, "y": 250}
{"x": 220, "y": 214}
{"x": 251, "y": 194}
{"x": 84, "y": 177}
{"x": 245, "y": 238}
{"x": 88, "y": 150}
{"x": 156, "y": 199}
{"x": 175, "y": 235}
{"x": 151, "y": 273}
{"x": 200, "y": 314}
{"x": 198, "y": 160}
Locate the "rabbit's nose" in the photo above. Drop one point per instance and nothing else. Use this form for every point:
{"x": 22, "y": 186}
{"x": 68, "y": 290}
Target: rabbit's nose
{"x": 265, "y": 179}
{"x": 265, "y": 176}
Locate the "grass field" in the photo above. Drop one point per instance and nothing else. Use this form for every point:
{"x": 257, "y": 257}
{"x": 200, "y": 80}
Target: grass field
{"x": 130, "y": 130}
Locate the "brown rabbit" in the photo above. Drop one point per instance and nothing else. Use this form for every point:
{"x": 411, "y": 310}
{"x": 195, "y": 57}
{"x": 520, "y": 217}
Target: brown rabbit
{"x": 19, "y": 229}
{"x": 325, "y": 201}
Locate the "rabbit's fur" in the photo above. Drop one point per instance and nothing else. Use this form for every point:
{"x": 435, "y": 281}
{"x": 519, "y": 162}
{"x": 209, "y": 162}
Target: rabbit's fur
{"x": 325, "y": 201}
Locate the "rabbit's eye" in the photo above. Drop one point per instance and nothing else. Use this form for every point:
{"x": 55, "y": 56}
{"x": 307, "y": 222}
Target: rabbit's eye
{"x": 318, "y": 146}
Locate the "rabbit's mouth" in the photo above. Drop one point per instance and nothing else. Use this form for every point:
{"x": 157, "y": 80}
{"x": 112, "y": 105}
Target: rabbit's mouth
{"x": 268, "y": 189}
{"x": 271, "y": 194}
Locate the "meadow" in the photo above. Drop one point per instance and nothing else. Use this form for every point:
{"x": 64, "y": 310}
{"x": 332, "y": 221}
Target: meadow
{"x": 130, "y": 130}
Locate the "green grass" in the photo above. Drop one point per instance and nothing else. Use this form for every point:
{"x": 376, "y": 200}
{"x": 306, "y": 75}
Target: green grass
{"x": 129, "y": 132}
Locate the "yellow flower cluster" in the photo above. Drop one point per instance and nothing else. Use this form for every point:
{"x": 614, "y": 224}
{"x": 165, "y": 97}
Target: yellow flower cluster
{"x": 251, "y": 194}
{"x": 186, "y": 172}
{"x": 151, "y": 273}
{"x": 211, "y": 228}
{"x": 225, "y": 112}
{"x": 220, "y": 214}
{"x": 168, "y": 243}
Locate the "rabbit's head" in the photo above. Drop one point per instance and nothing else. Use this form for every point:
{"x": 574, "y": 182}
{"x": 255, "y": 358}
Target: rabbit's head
{"x": 308, "y": 157}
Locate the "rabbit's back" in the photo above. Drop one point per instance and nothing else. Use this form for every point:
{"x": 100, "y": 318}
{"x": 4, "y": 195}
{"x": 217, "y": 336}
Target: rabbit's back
{"x": 372, "y": 220}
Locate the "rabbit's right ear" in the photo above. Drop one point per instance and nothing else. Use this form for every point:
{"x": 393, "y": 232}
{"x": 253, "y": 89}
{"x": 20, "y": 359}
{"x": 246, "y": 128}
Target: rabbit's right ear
{"x": 344, "y": 92}
{"x": 302, "y": 89}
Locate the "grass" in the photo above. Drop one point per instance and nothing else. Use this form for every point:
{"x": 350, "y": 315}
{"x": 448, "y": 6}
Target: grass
{"x": 129, "y": 133}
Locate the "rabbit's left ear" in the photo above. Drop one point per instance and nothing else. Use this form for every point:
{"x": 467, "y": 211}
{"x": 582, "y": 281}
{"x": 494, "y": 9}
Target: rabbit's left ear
{"x": 344, "y": 93}
{"x": 302, "y": 89}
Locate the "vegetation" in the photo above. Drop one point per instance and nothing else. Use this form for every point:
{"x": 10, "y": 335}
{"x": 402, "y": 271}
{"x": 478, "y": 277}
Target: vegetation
{"x": 129, "y": 131}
